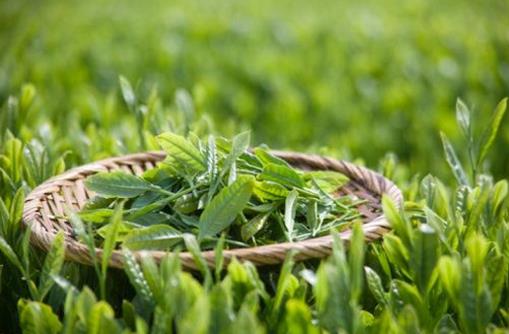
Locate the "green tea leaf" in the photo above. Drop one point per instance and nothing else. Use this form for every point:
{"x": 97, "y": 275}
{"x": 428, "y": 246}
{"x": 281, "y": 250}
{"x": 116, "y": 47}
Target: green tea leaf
{"x": 356, "y": 260}
{"x": 269, "y": 191}
{"x": 9, "y": 253}
{"x": 37, "y": 318}
{"x": 194, "y": 248}
{"x": 282, "y": 175}
{"x": 249, "y": 229}
{"x": 290, "y": 209}
{"x": 182, "y": 152}
{"x": 96, "y": 215}
{"x": 266, "y": 158}
{"x": 490, "y": 133}
{"x": 375, "y": 286}
{"x": 52, "y": 265}
{"x": 16, "y": 210}
{"x": 162, "y": 237}
{"x": 135, "y": 275}
{"x": 111, "y": 237}
{"x": 240, "y": 143}
{"x": 185, "y": 104}
{"x": 424, "y": 256}
{"x": 225, "y": 206}
{"x": 117, "y": 184}
{"x": 453, "y": 161}
{"x": 127, "y": 93}
{"x": 328, "y": 181}
{"x": 463, "y": 117}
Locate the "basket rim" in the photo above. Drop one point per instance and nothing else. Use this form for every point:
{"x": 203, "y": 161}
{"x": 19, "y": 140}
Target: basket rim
{"x": 318, "y": 247}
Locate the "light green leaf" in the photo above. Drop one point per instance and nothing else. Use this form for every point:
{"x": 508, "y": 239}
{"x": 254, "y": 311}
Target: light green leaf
{"x": 37, "y": 318}
{"x": 490, "y": 133}
{"x": 290, "y": 209}
{"x": 185, "y": 105}
{"x": 111, "y": 237}
{"x": 375, "y": 286}
{"x": 9, "y": 253}
{"x": 328, "y": 181}
{"x": 161, "y": 237}
{"x": 269, "y": 191}
{"x": 181, "y": 152}
{"x": 463, "y": 117}
{"x": 225, "y": 206}
{"x": 17, "y": 203}
{"x": 453, "y": 161}
{"x": 240, "y": 143}
{"x": 398, "y": 222}
{"x": 117, "y": 184}
{"x": 52, "y": 265}
{"x": 249, "y": 229}
{"x": 136, "y": 277}
{"x": 449, "y": 270}
{"x": 218, "y": 257}
{"x": 101, "y": 319}
{"x": 356, "y": 260}
{"x": 193, "y": 247}
{"x": 266, "y": 158}
{"x": 298, "y": 317}
{"x": 127, "y": 93}
{"x": 283, "y": 175}
{"x": 96, "y": 215}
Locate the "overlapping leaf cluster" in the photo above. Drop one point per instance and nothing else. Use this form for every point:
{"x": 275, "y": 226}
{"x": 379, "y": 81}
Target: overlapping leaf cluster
{"x": 213, "y": 187}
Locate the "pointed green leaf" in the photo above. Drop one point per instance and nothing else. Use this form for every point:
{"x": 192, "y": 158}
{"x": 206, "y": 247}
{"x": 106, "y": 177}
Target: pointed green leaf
{"x": 328, "y": 181}
{"x": 269, "y": 191}
{"x": 453, "y": 161}
{"x": 290, "y": 209}
{"x": 127, "y": 93}
{"x": 52, "y": 265}
{"x": 490, "y": 133}
{"x": 463, "y": 117}
{"x": 266, "y": 158}
{"x": 182, "y": 152}
{"x": 225, "y": 206}
{"x": 159, "y": 237}
{"x": 111, "y": 237}
{"x": 136, "y": 277}
{"x": 9, "y": 253}
{"x": 249, "y": 229}
{"x": 375, "y": 286}
{"x": 117, "y": 184}
{"x": 283, "y": 175}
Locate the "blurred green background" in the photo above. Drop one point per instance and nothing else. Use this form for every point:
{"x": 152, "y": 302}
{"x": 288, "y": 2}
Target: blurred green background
{"x": 360, "y": 77}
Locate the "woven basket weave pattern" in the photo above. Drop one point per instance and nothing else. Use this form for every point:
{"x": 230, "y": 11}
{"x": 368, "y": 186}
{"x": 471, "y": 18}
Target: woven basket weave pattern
{"x": 46, "y": 205}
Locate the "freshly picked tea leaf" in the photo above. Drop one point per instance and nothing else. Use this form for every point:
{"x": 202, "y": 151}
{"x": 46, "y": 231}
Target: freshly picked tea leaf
{"x": 117, "y": 184}
{"x": 223, "y": 208}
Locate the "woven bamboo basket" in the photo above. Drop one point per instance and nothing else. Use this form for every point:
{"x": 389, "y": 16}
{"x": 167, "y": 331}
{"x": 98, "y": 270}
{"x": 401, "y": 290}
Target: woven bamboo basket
{"x": 45, "y": 208}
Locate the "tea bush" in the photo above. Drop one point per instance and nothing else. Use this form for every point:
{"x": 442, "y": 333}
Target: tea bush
{"x": 351, "y": 79}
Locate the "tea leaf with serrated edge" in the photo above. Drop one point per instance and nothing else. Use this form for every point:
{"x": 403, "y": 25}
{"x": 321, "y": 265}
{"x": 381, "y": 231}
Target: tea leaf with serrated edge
{"x": 225, "y": 206}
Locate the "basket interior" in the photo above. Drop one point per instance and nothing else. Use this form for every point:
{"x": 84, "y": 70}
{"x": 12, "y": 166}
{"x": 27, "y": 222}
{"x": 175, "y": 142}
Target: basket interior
{"x": 72, "y": 194}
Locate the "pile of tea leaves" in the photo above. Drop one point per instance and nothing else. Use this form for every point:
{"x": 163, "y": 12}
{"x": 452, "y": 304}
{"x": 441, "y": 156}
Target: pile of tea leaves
{"x": 212, "y": 188}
